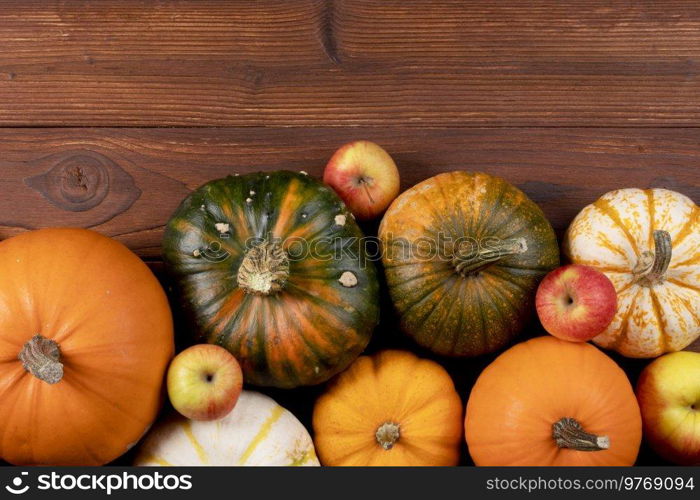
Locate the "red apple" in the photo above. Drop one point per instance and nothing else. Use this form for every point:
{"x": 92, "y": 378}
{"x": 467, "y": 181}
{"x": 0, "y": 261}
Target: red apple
{"x": 668, "y": 391}
{"x": 364, "y": 176}
{"x": 576, "y": 302}
{"x": 204, "y": 382}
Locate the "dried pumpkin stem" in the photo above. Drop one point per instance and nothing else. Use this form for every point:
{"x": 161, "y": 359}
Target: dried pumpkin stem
{"x": 388, "y": 434}
{"x": 653, "y": 265}
{"x": 473, "y": 262}
{"x": 41, "y": 357}
{"x": 568, "y": 433}
{"x": 264, "y": 269}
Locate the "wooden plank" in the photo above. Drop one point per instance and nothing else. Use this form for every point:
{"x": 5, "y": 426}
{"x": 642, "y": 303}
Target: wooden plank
{"x": 349, "y": 62}
{"x": 126, "y": 182}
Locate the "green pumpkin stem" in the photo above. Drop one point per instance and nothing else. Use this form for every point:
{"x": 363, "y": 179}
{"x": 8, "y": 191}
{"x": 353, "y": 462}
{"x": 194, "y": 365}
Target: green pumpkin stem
{"x": 388, "y": 434}
{"x": 653, "y": 265}
{"x": 264, "y": 269}
{"x": 41, "y": 357}
{"x": 568, "y": 433}
{"x": 473, "y": 262}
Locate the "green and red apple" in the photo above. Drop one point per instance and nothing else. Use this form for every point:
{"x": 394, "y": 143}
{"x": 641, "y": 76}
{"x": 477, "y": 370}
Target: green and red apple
{"x": 668, "y": 391}
{"x": 204, "y": 382}
{"x": 576, "y": 302}
{"x": 364, "y": 176}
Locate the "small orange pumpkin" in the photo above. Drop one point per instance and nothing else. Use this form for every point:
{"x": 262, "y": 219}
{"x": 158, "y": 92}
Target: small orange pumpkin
{"x": 392, "y": 409}
{"x": 551, "y": 402}
{"x": 85, "y": 337}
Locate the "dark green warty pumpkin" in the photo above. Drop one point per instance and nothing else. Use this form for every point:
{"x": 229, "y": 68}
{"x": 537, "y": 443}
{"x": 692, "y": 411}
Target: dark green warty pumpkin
{"x": 271, "y": 266}
{"x": 463, "y": 255}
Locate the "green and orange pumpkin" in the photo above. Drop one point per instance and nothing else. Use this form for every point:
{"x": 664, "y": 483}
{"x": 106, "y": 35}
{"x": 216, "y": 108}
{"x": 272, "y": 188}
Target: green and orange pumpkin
{"x": 271, "y": 266}
{"x": 463, "y": 254}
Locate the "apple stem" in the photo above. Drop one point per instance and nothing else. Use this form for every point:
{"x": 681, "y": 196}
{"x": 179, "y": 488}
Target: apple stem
{"x": 41, "y": 357}
{"x": 474, "y": 261}
{"x": 388, "y": 434}
{"x": 363, "y": 183}
{"x": 653, "y": 265}
{"x": 568, "y": 433}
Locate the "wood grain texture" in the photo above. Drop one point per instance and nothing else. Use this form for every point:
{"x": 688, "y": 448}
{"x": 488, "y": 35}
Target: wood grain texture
{"x": 567, "y": 100}
{"x": 145, "y": 173}
{"x": 349, "y": 62}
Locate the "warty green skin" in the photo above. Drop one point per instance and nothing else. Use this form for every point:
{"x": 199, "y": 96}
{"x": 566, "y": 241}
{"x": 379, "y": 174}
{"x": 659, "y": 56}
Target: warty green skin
{"x": 316, "y": 325}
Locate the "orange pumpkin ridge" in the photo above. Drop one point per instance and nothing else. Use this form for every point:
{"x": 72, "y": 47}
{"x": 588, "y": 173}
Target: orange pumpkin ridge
{"x": 546, "y": 402}
{"x": 392, "y": 409}
{"x": 85, "y": 337}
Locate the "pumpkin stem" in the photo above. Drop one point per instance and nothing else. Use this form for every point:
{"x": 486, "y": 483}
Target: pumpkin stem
{"x": 653, "y": 265}
{"x": 264, "y": 269}
{"x": 41, "y": 357}
{"x": 387, "y": 434}
{"x": 473, "y": 262}
{"x": 568, "y": 433}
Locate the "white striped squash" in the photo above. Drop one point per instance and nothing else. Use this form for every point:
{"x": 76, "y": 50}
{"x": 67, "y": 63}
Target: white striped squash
{"x": 648, "y": 243}
{"x": 257, "y": 432}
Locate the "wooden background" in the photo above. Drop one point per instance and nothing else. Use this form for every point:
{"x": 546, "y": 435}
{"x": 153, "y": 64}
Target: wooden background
{"x": 112, "y": 111}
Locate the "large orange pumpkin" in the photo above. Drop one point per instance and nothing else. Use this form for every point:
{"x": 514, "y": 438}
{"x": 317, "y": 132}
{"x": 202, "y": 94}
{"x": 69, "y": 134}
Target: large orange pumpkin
{"x": 551, "y": 402}
{"x": 85, "y": 338}
{"x": 392, "y": 408}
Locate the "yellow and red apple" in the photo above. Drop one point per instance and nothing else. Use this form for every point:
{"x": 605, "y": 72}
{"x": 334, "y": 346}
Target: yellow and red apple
{"x": 364, "y": 176}
{"x": 576, "y": 302}
{"x": 204, "y": 382}
{"x": 668, "y": 391}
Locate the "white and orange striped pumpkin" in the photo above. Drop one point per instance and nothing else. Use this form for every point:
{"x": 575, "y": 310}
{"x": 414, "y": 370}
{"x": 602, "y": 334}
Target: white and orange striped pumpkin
{"x": 257, "y": 432}
{"x": 648, "y": 243}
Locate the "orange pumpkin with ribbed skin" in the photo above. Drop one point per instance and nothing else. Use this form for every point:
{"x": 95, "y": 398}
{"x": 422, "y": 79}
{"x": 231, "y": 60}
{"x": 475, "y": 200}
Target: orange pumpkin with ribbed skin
{"x": 552, "y": 402}
{"x": 390, "y": 409}
{"x": 85, "y": 337}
